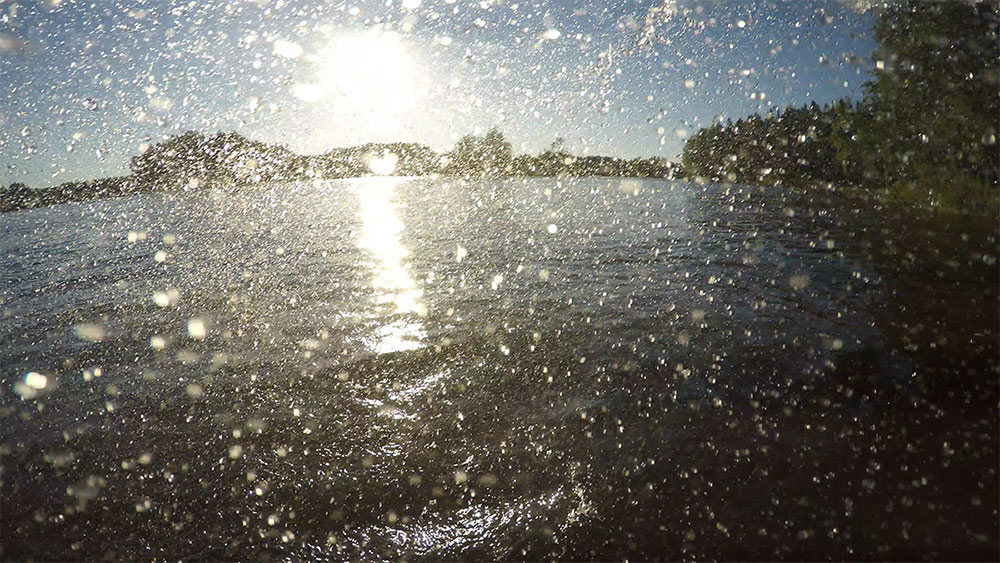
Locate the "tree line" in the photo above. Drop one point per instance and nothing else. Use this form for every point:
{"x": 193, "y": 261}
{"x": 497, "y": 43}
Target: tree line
{"x": 492, "y": 156}
{"x": 925, "y": 130}
{"x": 192, "y": 160}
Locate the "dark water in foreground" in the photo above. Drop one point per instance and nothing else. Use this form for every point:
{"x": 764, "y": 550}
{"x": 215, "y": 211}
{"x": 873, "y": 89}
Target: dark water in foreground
{"x": 592, "y": 369}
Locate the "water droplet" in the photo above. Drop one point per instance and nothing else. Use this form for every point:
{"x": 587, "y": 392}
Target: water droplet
{"x": 90, "y": 332}
{"x": 287, "y": 49}
{"x": 196, "y": 328}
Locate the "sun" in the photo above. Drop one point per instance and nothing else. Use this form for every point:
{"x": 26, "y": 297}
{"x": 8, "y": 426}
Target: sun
{"x": 383, "y": 165}
{"x": 367, "y": 81}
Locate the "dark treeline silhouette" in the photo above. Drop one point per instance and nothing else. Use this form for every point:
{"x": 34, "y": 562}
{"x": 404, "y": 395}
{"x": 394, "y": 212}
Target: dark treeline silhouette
{"x": 192, "y": 160}
{"x": 19, "y": 196}
{"x": 561, "y": 163}
{"x": 186, "y": 161}
{"x": 491, "y": 156}
{"x": 925, "y": 130}
{"x": 791, "y": 147}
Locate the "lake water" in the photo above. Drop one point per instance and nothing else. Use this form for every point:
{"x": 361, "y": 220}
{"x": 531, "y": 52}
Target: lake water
{"x": 523, "y": 369}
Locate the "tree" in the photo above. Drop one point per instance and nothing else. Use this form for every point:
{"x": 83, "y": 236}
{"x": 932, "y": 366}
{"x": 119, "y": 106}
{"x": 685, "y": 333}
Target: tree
{"x": 925, "y": 130}
{"x": 17, "y": 196}
{"x": 178, "y": 161}
{"x": 490, "y": 155}
{"x": 226, "y": 159}
{"x": 928, "y": 124}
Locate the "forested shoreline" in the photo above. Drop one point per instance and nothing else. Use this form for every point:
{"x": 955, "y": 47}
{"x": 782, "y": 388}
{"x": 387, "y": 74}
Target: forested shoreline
{"x": 924, "y": 132}
{"x": 231, "y": 161}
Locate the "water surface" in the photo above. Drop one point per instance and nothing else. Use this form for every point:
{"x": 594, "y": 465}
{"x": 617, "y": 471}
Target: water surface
{"x": 522, "y": 369}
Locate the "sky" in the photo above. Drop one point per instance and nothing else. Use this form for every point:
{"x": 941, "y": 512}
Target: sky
{"x": 86, "y": 85}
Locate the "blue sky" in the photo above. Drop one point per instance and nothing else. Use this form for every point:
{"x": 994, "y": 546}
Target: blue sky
{"x": 86, "y": 85}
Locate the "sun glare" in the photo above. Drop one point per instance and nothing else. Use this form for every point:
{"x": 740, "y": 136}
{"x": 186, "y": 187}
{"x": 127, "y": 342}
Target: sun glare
{"x": 367, "y": 81}
{"x": 383, "y": 165}
{"x": 381, "y": 237}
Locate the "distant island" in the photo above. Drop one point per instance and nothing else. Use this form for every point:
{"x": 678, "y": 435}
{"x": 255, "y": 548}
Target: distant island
{"x": 925, "y": 133}
{"x": 231, "y": 161}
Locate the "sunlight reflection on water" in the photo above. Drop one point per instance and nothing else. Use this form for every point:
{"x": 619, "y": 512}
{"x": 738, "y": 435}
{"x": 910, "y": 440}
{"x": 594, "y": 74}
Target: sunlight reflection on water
{"x": 395, "y": 289}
